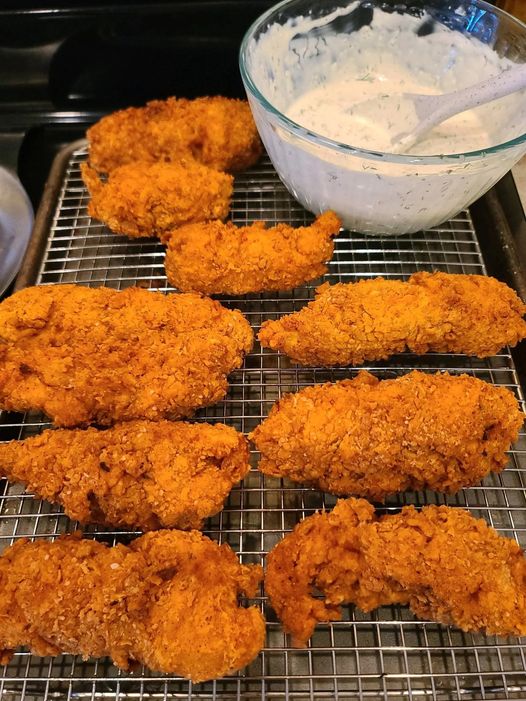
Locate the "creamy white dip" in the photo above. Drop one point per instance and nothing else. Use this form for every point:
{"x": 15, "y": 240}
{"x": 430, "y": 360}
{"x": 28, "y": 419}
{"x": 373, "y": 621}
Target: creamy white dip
{"x": 364, "y": 112}
{"x": 316, "y": 75}
{"x": 319, "y": 79}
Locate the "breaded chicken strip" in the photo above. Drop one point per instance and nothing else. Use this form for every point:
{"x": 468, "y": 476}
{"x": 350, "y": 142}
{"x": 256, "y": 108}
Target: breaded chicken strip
{"x": 217, "y": 258}
{"x": 373, "y": 438}
{"x": 169, "y": 601}
{"x": 140, "y": 474}
{"x": 373, "y": 319}
{"x": 86, "y": 355}
{"x": 446, "y": 565}
{"x": 216, "y": 131}
{"x": 150, "y": 199}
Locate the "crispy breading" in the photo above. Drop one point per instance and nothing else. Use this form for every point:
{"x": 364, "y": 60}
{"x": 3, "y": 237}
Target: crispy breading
{"x": 84, "y": 355}
{"x": 140, "y": 474}
{"x": 217, "y": 258}
{"x": 216, "y": 131}
{"x": 150, "y": 199}
{"x": 373, "y": 319}
{"x": 373, "y": 438}
{"x": 169, "y": 600}
{"x": 446, "y": 565}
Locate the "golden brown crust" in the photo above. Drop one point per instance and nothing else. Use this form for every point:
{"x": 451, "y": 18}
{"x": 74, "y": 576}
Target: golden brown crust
{"x": 150, "y": 199}
{"x": 169, "y": 601}
{"x": 373, "y": 438}
{"x": 373, "y": 319}
{"x": 86, "y": 355}
{"x": 217, "y": 258}
{"x": 443, "y": 563}
{"x": 216, "y": 131}
{"x": 140, "y": 474}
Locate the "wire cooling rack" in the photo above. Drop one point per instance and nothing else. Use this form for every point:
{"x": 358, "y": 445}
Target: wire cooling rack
{"x": 384, "y": 655}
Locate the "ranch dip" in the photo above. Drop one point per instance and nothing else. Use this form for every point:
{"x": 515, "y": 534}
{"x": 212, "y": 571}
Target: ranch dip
{"x": 317, "y": 70}
{"x": 363, "y": 112}
{"x": 324, "y": 75}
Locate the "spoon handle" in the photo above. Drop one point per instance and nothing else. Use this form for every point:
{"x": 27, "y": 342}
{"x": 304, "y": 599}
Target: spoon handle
{"x": 438, "y": 108}
{"x": 493, "y": 88}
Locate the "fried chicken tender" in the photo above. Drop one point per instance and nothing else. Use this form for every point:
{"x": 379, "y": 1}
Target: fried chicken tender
{"x": 169, "y": 601}
{"x": 217, "y": 258}
{"x": 140, "y": 474}
{"x": 216, "y": 131}
{"x": 373, "y": 319}
{"x": 150, "y": 199}
{"x": 446, "y": 565}
{"x": 86, "y": 355}
{"x": 374, "y": 438}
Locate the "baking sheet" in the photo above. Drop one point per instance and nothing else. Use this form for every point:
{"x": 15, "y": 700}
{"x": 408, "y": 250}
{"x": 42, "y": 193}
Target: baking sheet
{"x": 384, "y": 655}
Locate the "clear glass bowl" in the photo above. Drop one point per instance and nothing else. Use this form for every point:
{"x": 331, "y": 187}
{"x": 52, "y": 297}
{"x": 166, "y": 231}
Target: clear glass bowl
{"x": 378, "y": 193}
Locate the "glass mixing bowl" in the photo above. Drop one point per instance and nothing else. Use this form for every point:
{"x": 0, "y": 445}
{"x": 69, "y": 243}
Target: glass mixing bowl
{"x": 374, "y": 192}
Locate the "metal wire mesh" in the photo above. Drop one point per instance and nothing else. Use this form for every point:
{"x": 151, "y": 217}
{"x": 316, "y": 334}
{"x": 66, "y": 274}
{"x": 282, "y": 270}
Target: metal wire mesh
{"x": 384, "y": 655}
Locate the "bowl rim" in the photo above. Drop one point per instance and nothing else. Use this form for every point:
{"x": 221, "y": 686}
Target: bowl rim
{"x": 318, "y": 139}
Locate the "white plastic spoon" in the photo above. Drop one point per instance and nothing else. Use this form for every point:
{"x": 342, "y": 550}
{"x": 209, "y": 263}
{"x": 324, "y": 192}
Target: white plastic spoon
{"x": 431, "y": 110}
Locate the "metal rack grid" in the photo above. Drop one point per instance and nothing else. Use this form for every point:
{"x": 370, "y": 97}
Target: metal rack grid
{"x": 384, "y": 655}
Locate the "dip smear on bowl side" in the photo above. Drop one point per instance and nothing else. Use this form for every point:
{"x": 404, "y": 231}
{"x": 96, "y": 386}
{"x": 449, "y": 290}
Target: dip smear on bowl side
{"x": 304, "y": 75}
